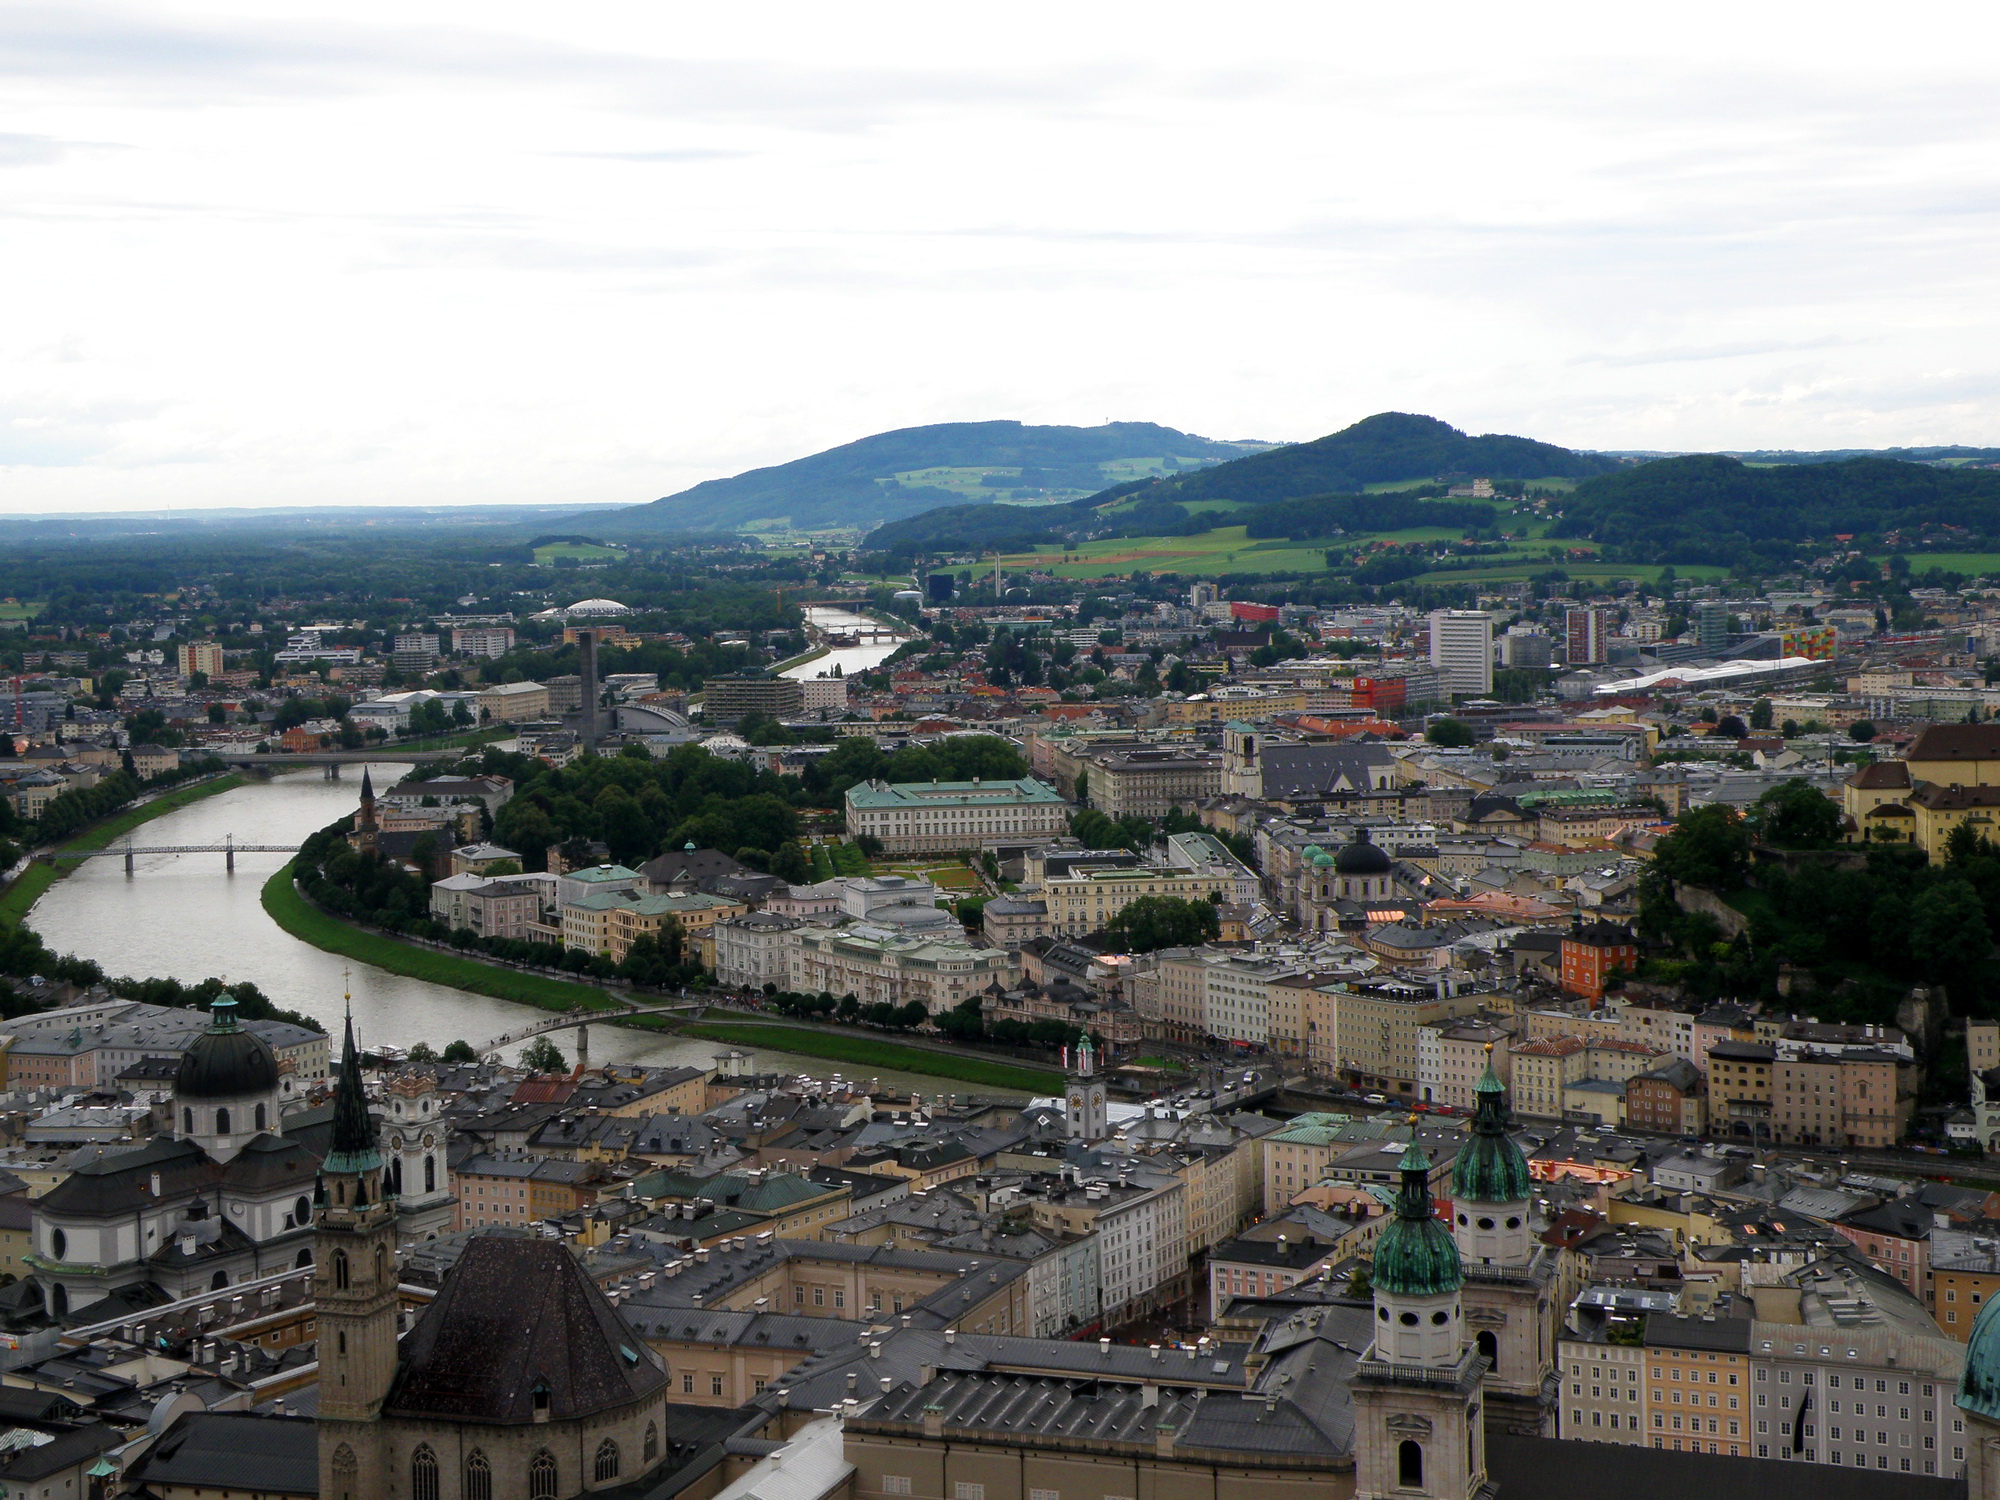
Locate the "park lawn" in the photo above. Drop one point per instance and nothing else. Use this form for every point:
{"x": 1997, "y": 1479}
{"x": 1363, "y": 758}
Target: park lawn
{"x": 309, "y": 924}
{"x": 866, "y": 1050}
{"x": 14, "y": 609}
{"x": 577, "y": 552}
{"x": 25, "y": 892}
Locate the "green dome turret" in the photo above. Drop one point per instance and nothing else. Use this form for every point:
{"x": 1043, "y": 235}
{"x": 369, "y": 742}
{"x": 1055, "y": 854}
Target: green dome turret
{"x": 1979, "y": 1385}
{"x": 1416, "y": 1256}
{"x": 1491, "y": 1168}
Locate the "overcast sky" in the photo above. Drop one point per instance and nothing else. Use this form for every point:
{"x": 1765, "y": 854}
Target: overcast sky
{"x": 418, "y": 253}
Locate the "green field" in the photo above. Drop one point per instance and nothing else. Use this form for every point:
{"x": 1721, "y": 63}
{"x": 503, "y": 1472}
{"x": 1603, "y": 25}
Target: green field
{"x": 308, "y": 924}
{"x": 1226, "y": 549}
{"x": 965, "y": 481}
{"x": 1502, "y": 571}
{"x": 25, "y": 892}
{"x": 865, "y": 1050}
{"x": 14, "y": 609}
{"x": 1973, "y": 563}
{"x": 554, "y": 552}
{"x": 952, "y": 876}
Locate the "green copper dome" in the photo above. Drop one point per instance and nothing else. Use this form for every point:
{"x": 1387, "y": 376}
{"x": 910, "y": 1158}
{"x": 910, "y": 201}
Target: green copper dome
{"x": 1979, "y": 1385}
{"x": 1416, "y": 1256}
{"x": 1491, "y": 1168}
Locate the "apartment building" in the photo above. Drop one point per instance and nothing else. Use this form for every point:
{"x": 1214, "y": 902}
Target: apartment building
{"x": 521, "y": 1190}
{"x": 610, "y": 922}
{"x": 1377, "y": 1027}
{"x": 726, "y": 700}
{"x": 918, "y": 817}
{"x": 484, "y": 640}
{"x": 1462, "y": 650}
{"x": 936, "y": 972}
{"x": 1150, "y": 781}
{"x": 1140, "y": 1221}
{"x": 1604, "y": 1392}
{"x": 204, "y": 657}
{"x": 1543, "y": 1070}
{"x": 1083, "y": 896}
{"x": 1739, "y": 1088}
{"x": 1462, "y": 1050}
{"x": 754, "y": 949}
{"x": 1851, "y": 1098}
{"x": 515, "y": 702}
{"x": 1298, "y": 1156}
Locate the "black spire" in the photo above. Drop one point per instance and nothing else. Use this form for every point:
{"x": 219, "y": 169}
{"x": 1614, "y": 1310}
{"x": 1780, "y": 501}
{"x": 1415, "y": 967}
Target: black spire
{"x": 367, "y": 786}
{"x": 354, "y": 1148}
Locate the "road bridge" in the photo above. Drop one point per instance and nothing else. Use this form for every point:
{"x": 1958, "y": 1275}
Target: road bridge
{"x": 332, "y": 760}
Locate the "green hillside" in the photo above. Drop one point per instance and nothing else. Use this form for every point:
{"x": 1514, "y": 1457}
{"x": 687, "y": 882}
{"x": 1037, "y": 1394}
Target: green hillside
{"x": 1706, "y": 508}
{"x": 1380, "y": 449}
{"x": 1301, "y": 491}
{"x": 894, "y": 474}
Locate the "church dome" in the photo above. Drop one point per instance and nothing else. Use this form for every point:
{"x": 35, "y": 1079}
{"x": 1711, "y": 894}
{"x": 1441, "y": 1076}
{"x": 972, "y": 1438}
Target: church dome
{"x": 226, "y": 1062}
{"x": 1416, "y": 1255}
{"x": 1361, "y": 857}
{"x": 1491, "y": 1168}
{"x": 1979, "y": 1385}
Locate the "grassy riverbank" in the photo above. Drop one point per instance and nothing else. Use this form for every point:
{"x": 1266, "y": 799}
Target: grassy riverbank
{"x": 867, "y": 1051}
{"x": 39, "y": 876}
{"x": 308, "y": 924}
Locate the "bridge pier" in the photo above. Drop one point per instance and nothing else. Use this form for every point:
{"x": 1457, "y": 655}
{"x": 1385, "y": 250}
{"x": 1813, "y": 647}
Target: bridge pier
{"x": 128, "y": 859}
{"x": 583, "y": 1048}
{"x": 333, "y": 770}
{"x": 229, "y": 853}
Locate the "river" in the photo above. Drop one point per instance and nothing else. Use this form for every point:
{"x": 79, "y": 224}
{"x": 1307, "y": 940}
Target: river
{"x": 182, "y": 916}
{"x": 852, "y": 659}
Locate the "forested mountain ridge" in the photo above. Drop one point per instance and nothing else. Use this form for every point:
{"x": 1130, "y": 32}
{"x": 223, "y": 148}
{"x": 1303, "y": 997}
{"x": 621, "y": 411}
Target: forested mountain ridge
{"x": 892, "y": 474}
{"x": 1293, "y": 489}
{"x": 1706, "y": 508}
{"x": 1382, "y": 449}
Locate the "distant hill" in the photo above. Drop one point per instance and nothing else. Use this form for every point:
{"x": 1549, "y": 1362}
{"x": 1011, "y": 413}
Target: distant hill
{"x": 1389, "y": 448}
{"x": 1708, "y": 508}
{"x": 1382, "y": 449}
{"x": 914, "y": 469}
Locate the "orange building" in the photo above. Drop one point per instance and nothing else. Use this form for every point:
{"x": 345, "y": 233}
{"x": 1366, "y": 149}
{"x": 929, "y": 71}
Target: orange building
{"x": 1590, "y": 953}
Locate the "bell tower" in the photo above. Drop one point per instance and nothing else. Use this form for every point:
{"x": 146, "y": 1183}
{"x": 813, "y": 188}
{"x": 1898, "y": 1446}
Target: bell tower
{"x": 354, "y": 1294}
{"x": 1086, "y": 1109}
{"x": 1512, "y": 1303}
{"x": 1418, "y": 1429}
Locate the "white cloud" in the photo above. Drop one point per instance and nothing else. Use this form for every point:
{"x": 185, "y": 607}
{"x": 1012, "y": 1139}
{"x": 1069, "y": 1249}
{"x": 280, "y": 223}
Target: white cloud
{"x": 423, "y": 252}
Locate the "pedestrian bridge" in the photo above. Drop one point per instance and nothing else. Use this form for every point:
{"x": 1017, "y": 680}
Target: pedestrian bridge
{"x": 581, "y": 1018}
{"x": 129, "y": 851}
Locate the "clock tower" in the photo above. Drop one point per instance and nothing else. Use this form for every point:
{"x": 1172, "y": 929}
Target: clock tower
{"x": 1086, "y": 1109}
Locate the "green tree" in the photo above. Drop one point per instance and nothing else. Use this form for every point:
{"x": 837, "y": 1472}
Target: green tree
{"x": 1861, "y": 731}
{"x": 1795, "y": 815}
{"x": 423, "y": 1052}
{"x": 1948, "y": 933}
{"x": 789, "y": 864}
{"x": 543, "y": 1056}
{"x": 459, "y": 1052}
{"x": 1760, "y": 714}
{"x": 1449, "y": 734}
{"x": 1154, "y": 922}
{"x": 1710, "y": 846}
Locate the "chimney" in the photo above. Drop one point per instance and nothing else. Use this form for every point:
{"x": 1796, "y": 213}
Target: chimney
{"x": 1104, "y": 1348}
{"x": 951, "y": 1335}
{"x": 887, "y": 1385}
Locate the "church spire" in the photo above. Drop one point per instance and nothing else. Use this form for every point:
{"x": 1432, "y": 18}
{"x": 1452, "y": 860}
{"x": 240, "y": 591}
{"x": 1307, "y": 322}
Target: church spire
{"x": 353, "y": 1148}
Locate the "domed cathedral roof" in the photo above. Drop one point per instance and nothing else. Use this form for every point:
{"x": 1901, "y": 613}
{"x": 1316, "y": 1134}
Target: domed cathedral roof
{"x": 1361, "y": 856}
{"x": 519, "y": 1333}
{"x": 1979, "y": 1385}
{"x": 1415, "y": 1256}
{"x": 1491, "y": 1168}
{"x": 226, "y": 1062}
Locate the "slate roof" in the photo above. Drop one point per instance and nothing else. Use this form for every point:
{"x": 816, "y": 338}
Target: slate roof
{"x": 1554, "y": 1469}
{"x": 1293, "y": 772}
{"x": 228, "y": 1450}
{"x": 512, "y": 1315}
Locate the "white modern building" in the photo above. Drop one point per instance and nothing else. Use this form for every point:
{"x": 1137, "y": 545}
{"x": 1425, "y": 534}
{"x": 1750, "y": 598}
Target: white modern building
{"x": 1462, "y": 649}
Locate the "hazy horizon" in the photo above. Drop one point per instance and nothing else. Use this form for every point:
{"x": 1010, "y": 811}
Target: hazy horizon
{"x": 423, "y": 254}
